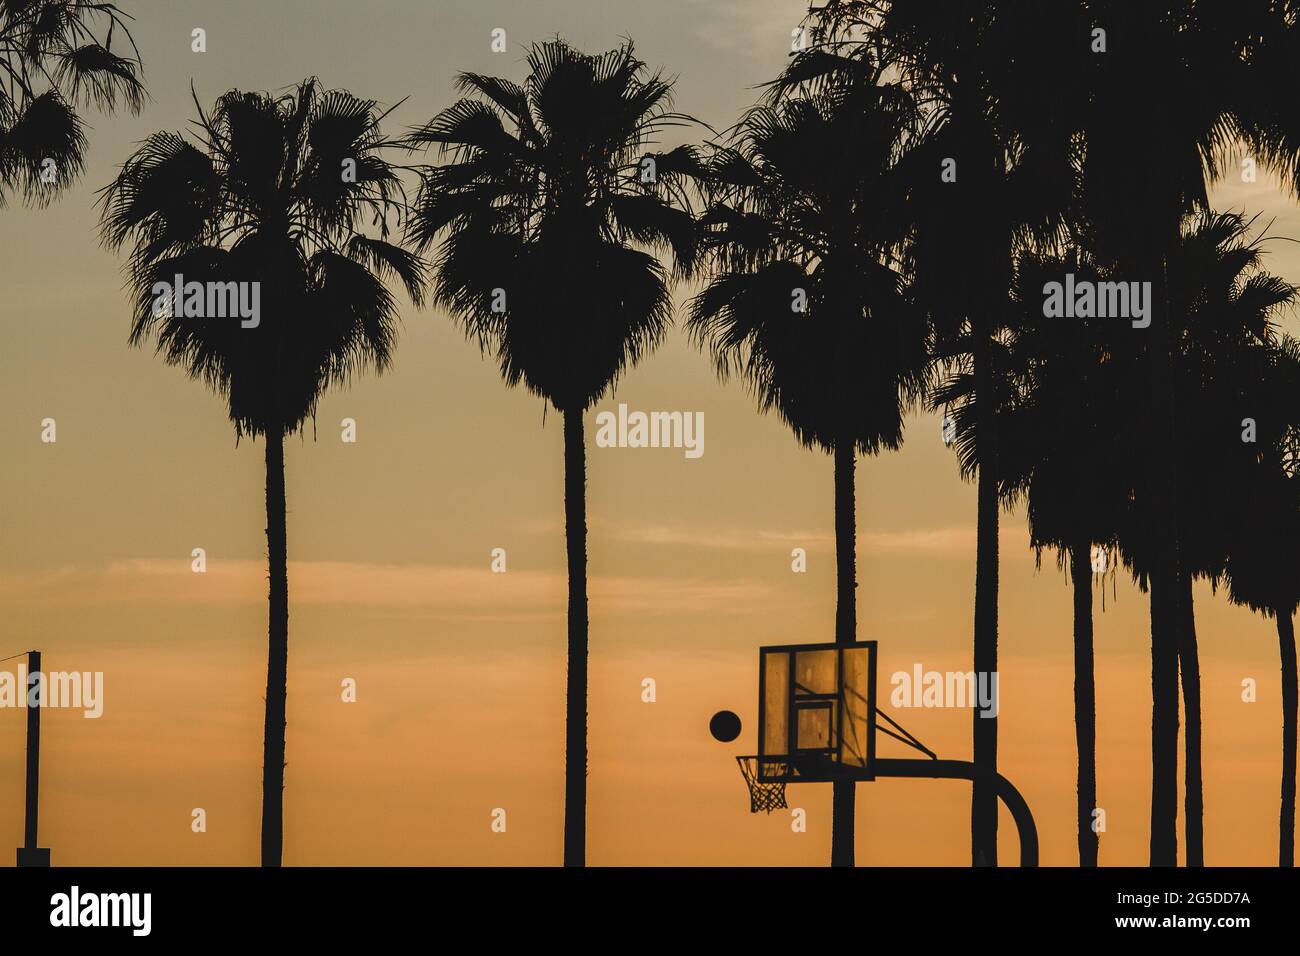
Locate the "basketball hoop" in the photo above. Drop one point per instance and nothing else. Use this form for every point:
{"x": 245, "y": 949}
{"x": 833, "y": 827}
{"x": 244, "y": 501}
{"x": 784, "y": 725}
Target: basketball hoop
{"x": 764, "y": 797}
{"x": 817, "y": 723}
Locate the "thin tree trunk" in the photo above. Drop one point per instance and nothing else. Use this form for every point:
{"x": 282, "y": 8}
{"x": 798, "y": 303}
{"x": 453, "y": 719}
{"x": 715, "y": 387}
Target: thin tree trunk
{"x": 984, "y": 802}
{"x": 1166, "y": 621}
{"x": 575, "y": 730}
{"x": 844, "y": 792}
{"x": 277, "y": 661}
{"x": 1085, "y": 696}
{"x": 1189, "y": 668}
{"x": 1286, "y": 642}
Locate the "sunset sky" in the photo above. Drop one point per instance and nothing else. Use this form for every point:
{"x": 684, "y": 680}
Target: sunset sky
{"x": 460, "y": 671}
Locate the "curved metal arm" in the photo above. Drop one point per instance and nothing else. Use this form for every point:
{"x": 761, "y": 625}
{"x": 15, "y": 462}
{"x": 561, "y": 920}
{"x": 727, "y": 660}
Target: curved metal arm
{"x": 965, "y": 770}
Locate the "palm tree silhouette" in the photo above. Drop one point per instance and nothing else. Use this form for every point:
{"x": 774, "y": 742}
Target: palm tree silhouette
{"x": 1262, "y": 569}
{"x": 1224, "y": 58}
{"x": 52, "y": 60}
{"x": 551, "y": 210}
{"x": 1223, "y": 302}
{"x": 808, "y": 305}
{"x": 994, "y": 178}
{"x": 1016, "y": 92}
{"x": 1226, "y": 358}
{"x": 1073, "y": 387}
{"x": 272, "y": 190}
{"x": 1060, "y": 419}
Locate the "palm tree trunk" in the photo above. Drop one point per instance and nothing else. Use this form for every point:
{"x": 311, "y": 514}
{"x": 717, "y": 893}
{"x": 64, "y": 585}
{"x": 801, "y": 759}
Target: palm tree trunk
{"x": 1286, "y": 641}
{"x": 1166, "y": 620}
{"x": 277, "y": 661}
{"x": 984, "y": 801}
{"x": 844, "y": 792}
{"x": 1085, "y": 697}
{"x": 1189, "y": 667}
{"x": 575, "y": 729}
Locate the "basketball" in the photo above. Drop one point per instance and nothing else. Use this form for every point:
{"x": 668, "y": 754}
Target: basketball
{"x": 725, "y": 726}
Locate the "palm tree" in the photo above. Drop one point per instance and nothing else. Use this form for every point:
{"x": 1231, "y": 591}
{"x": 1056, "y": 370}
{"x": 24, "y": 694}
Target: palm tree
{"x": 1223, "y": 303}
{"x": 1061, "y": 417}
{"x": 551, "y": 212}
{"x": 1232, "y": 64}
{"x": 271, "y": 192}
{"x": 996, "y": 84}
{"x": 1263, "y": 565}
{"x": 1072, "y": 386}
{"x": 808, "y": 305}
{"x": 1229, "y": 360}
{"x": 56, "y": 56}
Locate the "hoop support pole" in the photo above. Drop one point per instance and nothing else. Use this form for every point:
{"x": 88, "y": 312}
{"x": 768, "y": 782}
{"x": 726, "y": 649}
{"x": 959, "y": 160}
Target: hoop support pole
{"x": 966, "y": 770}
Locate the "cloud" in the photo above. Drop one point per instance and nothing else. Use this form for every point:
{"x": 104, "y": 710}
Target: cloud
{"x": 436, "y": 590}
{"x": 955, "y": 541}
{"x": 722, "y": 539}
{"x": 756, "y": 27}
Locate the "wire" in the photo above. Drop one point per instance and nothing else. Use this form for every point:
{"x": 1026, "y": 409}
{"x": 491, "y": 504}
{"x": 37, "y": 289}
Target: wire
{"x": 907, "y": 739}
{"x": 19, "y": 654}
{"x": 911, "y": 743}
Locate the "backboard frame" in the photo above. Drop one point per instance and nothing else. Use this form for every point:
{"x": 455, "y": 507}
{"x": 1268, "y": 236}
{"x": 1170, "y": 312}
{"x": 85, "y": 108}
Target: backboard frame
{"x": 784, "y": 761}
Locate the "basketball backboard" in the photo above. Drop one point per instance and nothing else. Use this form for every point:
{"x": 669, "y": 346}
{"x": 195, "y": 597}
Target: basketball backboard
{"x": 816, "y": 712}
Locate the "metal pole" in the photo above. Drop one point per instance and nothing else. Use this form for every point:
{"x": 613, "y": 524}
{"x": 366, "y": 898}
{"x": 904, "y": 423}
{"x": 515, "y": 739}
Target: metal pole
{"x": 31, "y": 853}
{"x": 33, "y": 750}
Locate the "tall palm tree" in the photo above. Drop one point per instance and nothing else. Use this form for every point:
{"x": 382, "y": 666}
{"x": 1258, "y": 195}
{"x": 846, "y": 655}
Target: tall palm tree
{"x": 1263, "y": 565}
{"x": 1072, "y": 387}
{"x": 1060, "y": 418}
{"x": 996, "y": 83}
{"x": 271, "y": 191}
{"x": 551, "y": 211}
{"x": 57, "y": 56}
{"x": 1262, "y": 572}
{"x": 1189, "y": 79}
{"x": 1223, "y": 303}
{"x": 808, "y": 304}
{"x": 1229, "y": 360}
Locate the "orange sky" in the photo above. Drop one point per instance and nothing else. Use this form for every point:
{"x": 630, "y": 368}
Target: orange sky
{"x": 461, "y": 671}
